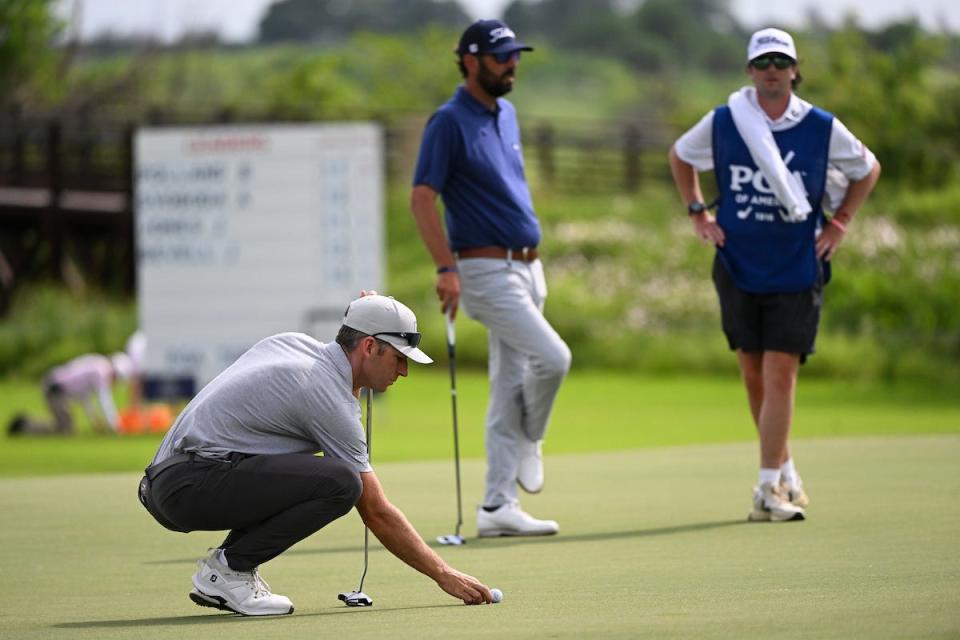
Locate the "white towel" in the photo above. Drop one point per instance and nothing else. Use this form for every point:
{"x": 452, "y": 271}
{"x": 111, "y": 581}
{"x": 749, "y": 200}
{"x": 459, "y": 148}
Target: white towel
{"x": 752, "y": 125}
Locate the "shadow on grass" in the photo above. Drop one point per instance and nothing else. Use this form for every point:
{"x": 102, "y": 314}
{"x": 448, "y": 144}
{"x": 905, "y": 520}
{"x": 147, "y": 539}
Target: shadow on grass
{"x": 487, "y": 543}
{"x": 601, "y": 536}
{"x": 230, "y": 618}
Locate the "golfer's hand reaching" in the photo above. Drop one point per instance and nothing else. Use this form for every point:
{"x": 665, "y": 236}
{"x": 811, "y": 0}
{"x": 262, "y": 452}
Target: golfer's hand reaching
{"x": 464, "y": 587}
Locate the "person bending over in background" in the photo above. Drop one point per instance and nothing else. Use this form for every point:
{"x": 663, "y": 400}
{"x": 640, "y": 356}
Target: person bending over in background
{"x": 79, "y": 380}
{"x": 772, "y": 153}
{"x": 471, "y": 156}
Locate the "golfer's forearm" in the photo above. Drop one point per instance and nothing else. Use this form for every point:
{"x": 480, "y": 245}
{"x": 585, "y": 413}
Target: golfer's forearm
{"x": 399, "y": 537}
{"x": 425, "y": 214}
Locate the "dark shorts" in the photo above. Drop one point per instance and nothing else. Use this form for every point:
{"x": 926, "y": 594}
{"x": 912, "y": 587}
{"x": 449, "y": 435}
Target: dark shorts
{"x": 757, "y": 322}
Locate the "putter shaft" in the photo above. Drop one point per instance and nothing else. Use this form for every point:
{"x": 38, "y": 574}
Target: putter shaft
{"x": 452, "y": 356}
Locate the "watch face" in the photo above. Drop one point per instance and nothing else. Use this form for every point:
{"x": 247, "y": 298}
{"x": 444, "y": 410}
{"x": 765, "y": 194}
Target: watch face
{"x": 696, "y": 207}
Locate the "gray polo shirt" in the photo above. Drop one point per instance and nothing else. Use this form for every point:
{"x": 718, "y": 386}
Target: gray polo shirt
{"x": 288, "y": 394}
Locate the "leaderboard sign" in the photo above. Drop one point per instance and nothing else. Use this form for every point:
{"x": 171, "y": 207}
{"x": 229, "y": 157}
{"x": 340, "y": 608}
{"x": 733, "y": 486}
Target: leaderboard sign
{"x": 246, "y": 231}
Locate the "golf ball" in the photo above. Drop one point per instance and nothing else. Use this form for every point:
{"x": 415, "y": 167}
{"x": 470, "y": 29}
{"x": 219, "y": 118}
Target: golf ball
{"x": 497, "y": 595}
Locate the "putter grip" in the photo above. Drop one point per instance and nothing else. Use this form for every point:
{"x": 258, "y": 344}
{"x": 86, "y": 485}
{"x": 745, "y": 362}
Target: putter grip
{"x": 451, "y": 332}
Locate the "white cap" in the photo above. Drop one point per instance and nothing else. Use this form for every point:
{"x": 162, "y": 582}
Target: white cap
{"x": 122, "y": 365}
{"x": 387, "y": 320}
{"x": 771, "y": 41}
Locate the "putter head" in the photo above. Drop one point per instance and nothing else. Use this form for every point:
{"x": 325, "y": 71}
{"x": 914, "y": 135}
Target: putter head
{"x": 451, "y": 539}
{"x": 356, "y": 599}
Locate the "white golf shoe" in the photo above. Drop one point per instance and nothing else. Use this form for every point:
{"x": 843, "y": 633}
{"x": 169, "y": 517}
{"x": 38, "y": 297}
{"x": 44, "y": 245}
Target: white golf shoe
{"x": 770, "y": 505}
{"x": 511, "y": 520}
{"x": 530, "y": 471}
{"x": 245, "y": 592}
{"x": 795, "y": 493}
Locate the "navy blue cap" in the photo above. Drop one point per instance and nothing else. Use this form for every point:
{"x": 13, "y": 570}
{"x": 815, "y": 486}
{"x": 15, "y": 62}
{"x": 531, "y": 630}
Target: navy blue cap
{"x": 490, "y": 36}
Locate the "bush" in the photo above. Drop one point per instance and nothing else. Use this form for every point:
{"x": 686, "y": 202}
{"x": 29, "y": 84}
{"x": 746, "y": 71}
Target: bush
{"x": 48, "y": 326}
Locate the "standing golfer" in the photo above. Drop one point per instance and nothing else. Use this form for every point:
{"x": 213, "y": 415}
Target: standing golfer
{"x": 241, "y": 457}
{"x": 471, "y": 156}
{"x": 772, "y": 153}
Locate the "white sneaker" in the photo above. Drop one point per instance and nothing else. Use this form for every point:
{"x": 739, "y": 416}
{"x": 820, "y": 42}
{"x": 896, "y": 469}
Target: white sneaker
{"x": 245, "y": 592}
{"x": 530, "y": 471}
{"x": 769, "y": 504}
{"x": 511, "y": 520}
{"x": 795, "y": 493}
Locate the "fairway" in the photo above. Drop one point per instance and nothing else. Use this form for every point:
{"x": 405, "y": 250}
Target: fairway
{"x": 653, "y": 543}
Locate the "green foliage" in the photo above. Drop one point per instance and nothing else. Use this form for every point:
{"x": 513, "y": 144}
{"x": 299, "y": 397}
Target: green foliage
{"x": 908, "y": 281}
{"x": 630, "y": 289}
{"x": 27, "y": 30}
{"x": 925, "y": 208}
{"x": 375, "y": 73}
{"x": 555, "y": 85}
{"x": 335, "y": 20}
{"x": 656, "y": 35}
{"x": 48, "y": 326}
{"x": 893, "y": 99}
{"x": 671, "y": 40}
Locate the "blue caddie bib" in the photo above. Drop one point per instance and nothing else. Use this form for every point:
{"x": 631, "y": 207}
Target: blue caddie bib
{"x": 763, "y": 252}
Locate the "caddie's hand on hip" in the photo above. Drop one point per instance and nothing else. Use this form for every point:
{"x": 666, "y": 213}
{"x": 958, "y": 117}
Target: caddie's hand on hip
{"x": 707, "y": 229}
{"x": 828, "y": 242}
{"x": 448, "y": 290}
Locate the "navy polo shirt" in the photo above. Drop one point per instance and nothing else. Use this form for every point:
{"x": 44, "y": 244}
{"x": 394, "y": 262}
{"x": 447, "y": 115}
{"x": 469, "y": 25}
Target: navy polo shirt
{"x": 473, "y": 158}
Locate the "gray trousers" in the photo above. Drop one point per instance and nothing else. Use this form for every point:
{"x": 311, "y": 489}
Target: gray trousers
{"x": 528, "y": 361}
{"x": 59, "y": 405}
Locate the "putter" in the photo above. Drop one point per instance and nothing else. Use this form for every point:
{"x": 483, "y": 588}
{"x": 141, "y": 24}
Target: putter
{"x": 454, "y": 538}
{"x": 358, "y": 598}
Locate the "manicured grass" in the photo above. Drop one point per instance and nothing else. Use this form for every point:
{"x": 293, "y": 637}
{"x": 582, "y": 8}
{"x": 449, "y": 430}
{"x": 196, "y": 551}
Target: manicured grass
{"x": 653, "y": 544}
{"x": 594, "y": 412}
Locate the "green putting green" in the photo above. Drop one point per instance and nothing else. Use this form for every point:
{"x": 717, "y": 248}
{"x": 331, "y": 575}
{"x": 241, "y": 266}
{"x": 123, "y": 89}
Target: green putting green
{"x": 653, "y": 543}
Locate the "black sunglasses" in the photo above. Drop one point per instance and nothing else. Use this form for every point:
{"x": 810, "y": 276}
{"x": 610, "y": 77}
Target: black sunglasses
{"x": 504, "y": 58}
{"x": 413, "y": 339}
{"x": 780, "y": 62}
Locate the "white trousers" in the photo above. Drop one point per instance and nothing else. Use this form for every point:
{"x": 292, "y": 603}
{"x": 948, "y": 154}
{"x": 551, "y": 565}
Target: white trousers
{"x": 528, "y": 361}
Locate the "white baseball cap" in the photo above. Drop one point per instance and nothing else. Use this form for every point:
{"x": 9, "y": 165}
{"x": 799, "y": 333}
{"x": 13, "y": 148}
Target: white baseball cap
{"x": 386, "y": 319}
{"x": 771, "y": 41}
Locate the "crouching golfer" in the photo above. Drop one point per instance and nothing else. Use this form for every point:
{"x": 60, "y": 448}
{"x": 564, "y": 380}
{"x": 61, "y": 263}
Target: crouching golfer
{"x": 241, "y": 457}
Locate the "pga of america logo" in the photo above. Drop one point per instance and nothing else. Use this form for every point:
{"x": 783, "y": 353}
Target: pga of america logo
{"x": 500, "y": 33}
{"x": 762, "y": 199}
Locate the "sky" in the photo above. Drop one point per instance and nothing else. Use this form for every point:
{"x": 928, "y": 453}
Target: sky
{"x": 236, "y": 20}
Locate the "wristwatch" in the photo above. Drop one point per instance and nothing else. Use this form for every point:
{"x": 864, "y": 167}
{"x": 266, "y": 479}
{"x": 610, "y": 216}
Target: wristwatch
{"x": 695, "y": 208}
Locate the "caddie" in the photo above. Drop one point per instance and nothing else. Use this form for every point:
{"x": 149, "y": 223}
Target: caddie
{"x": 779, "y": 161}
